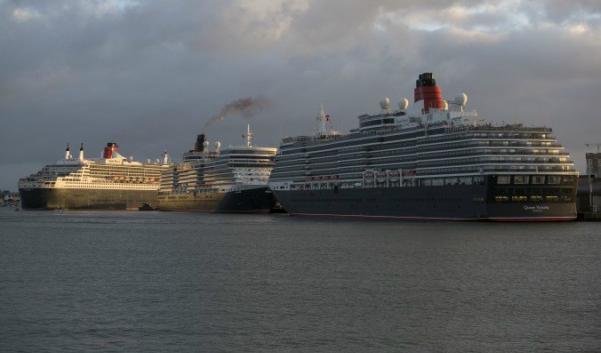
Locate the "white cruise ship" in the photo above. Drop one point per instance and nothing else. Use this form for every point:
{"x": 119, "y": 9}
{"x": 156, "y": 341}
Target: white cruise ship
{"x": 429, "y": 160}
{"x": 233, "y": 179}
{"x": 109, "y": 182}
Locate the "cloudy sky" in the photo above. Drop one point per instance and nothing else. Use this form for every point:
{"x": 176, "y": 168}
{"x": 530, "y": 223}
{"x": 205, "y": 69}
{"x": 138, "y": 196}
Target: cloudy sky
{"x": 148, "y": 74}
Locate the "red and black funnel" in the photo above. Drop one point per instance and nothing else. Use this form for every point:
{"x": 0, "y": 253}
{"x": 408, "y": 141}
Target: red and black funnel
{"x": 427, "y": 90}
{"x": 109, "y": 149}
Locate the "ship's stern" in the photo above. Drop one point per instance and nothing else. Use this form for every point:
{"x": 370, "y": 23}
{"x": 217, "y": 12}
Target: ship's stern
{"x": 532, "y": 198}
{"x": 532, "y": 212}
{"x": 32, "y": 198}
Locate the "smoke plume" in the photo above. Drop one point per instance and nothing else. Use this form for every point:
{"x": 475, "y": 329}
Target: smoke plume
{"x": 244, "y": 107}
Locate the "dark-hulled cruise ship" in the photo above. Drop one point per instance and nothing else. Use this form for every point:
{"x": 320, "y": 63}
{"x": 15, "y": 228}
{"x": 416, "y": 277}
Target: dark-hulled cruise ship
{"x": 232, "y": 180}
{"x": 431, "y": 160}
{"x": 110, "y": 182}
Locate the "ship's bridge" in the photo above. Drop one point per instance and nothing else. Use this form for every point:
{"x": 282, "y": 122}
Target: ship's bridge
{"x": 379, "y": 120}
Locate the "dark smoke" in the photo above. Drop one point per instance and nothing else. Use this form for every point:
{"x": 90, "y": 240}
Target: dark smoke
{"x": 245, "y": 107}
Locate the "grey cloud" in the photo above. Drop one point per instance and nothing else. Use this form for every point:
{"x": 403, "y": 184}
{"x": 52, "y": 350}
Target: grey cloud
{"x": 150, "y": 76}
{"x": 561, "y": 10}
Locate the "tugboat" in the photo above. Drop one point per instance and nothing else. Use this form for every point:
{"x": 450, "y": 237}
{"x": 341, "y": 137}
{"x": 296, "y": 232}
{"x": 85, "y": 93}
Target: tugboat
{"x": 146, "y": 207}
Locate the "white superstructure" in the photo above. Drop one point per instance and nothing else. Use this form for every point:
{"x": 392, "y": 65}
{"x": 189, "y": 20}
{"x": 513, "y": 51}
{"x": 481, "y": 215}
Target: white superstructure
{"x": 111, "y": 172}
{"x": 433, "y": 141}
{"x": 221, "y": 170}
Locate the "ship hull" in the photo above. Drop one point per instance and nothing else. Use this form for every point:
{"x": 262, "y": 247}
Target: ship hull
{"x": 256, "y": 200}
{"x": 458, "y": 202}
{"x": 83, "y": 199}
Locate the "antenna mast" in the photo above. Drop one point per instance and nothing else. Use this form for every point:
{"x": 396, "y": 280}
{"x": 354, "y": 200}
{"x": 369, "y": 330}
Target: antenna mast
{"x": 322, "y": 121}
{"x": 249, "y": 136}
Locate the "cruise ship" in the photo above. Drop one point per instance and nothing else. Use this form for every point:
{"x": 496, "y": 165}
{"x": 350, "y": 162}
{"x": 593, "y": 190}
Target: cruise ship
{"x": 433, "y": 159}
{"x": 110, "y": 182}
{"x": 232, "y": 180}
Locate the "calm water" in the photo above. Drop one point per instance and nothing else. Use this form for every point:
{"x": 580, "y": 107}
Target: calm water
{"x": 175, "y": 282}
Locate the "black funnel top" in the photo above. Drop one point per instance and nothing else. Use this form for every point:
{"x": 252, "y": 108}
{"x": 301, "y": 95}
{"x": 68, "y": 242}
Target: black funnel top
{"x": 425, "y": 80}
{"x": 199, "y": 145}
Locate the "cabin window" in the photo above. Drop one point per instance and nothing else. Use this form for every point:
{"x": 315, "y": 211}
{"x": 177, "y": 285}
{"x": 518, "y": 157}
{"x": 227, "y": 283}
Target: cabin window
{"x": 501, "y": 198}
{"x": 520, "y": 179}
{"x": 519, "y": 198}
{"x": 465, "y": 181}
{"x": 479, "y": 180}
{"x": 437, "y": 182}
{"x": 538, "y": 179}
{"x": 503, "y": 179}
{"x": 567, "y": 179}
{"x": 450, "y": 181}
{"x": 372, "y": 123}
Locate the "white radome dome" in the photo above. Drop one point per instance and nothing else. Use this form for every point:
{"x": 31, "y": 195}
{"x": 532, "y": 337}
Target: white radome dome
{"x": 404, "y": 103}
{"x": 386, "y": 104}
{"x": 445, "y": 104}
{"x": 461, "y": 99}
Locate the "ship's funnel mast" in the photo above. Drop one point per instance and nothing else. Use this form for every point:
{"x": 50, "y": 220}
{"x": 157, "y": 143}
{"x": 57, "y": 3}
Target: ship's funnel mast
{"x": 427, "y": 90}
{"x": 68, "y": 155}
{"x": 81, "y": 153}
{"x": 110, "y": 151}
{"x": 199, "y": 145}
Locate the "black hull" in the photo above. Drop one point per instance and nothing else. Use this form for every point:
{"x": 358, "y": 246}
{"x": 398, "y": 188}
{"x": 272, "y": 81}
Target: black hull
{"x": 258, "y": 200}
{"x": 457, "y": 202}
{"x": 86, "y": 199}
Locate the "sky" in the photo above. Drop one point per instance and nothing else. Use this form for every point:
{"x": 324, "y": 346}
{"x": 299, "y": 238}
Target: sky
{"x": 149, "y": 74}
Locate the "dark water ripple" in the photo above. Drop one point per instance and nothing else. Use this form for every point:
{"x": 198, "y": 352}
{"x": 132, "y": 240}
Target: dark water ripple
{"x": 170, "y": 282}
